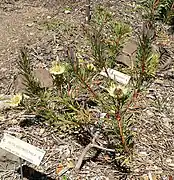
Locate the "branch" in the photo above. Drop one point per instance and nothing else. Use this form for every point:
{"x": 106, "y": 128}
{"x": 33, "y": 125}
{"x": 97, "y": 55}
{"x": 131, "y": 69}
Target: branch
{"x": 87, "y": 148}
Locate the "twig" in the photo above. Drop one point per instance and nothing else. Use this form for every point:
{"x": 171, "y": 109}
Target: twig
{"x": 21, "y": 171}
{"x": 87, "y": 148}
{"x": 102, "y": 148}
{"x": 88, "y": 11}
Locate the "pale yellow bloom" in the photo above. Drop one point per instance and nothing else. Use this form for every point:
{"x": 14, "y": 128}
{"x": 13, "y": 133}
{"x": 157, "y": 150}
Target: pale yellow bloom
{"x": 119, "y": 90}
{"x": 111, "y": 90}
{"x": 91, "y": 67}
{"x": 123, "y": 89}
{"x": 15, "y": 100}
{"x": 57, "y": 68}
{"x": 81, "y": 61}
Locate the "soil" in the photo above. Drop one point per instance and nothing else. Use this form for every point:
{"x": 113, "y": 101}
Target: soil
{"x": 24, "y": 23}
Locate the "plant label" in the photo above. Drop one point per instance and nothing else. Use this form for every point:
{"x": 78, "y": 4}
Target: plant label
{"x": 116, "y": 76}
{"x": 22, "y": 149}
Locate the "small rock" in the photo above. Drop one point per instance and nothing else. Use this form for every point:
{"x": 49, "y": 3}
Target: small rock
{"x": 151, "y": 96}
{"x": 168, "y": 160}
{"x": 14, "y": 121}
{"x": 44, "y": 77}
{"x": 167, "y": 122}
{"x": 67, "y": 11}
{"x": 129, "y": 54}
{"x": 48, "y": 17}
{"x": 149, "y": 113}
{"x": 19, "y": 84}
{"x": 30, "y": 24}
{"x": 143, "y": 153}
{"x": 102, "y": 115}
{"x": 134, "y": 129}
{"x": 136, "y": 170}
{"x": 42, "y": 130}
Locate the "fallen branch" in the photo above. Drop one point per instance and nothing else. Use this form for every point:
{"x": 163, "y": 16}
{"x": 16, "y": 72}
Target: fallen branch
{"x": 87, "y": 148}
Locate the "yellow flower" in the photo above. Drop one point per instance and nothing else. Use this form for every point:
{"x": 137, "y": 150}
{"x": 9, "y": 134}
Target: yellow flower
{"x": 57, "y": 68}
{"x": 15, "y": 100}
{"x": 91, "y": 67}
{"x": 123, "y": 89}
{"x": 118, "y": 91}
{"x": 81, "y": 61}
{"x": 111, "y": 90}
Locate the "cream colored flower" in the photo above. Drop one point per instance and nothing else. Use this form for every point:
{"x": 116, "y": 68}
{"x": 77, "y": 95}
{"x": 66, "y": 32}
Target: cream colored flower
{"x": 111, "y": 90}
{"x": 119, "y": 90}
{"x": 91, "y": 67}
{"x": 123, "y": 89}
{"x": 57, "y": 68}
{"x": 15, "y": 100}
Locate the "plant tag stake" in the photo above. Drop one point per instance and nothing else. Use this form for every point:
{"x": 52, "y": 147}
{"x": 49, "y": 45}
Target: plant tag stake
{"x": 22, "y": 149}
{"x": 116, "y": 76}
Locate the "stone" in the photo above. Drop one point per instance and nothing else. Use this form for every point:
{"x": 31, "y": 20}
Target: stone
{"x": 129, "y": 51}
{"x": 167, "y": 122}
{"x": 30, "y": 24}
{"x": 128, "y": 55}
{"x": 67, "y": 11}
{"x": 19, "y": 84}
{"x": 44, "y": 77}
{"x": 42, "y": 130}
{"x": 149, "y": 113}
{"x": 48, "y": 17}
{"x": 130, "y": 47}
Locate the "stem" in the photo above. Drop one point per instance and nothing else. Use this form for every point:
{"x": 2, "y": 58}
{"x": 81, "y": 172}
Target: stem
{"x": 155, "y": 5}
{"x": 21, "y": 171}
{"x": 119, "y": 120}
{"x": 134, "y": 97}
{"x": 89, "y": 88}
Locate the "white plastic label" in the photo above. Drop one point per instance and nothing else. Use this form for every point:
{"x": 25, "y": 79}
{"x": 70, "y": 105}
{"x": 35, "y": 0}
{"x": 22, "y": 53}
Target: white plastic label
{"x": 116, "y": 76}
{"x": 22, "y": 149}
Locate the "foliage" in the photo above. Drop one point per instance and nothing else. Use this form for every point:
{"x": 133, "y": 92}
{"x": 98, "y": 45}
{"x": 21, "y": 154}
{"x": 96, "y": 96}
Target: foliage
{"x": 165, "y": 11}
{"x": 81, "y": 95}
{"x": 162, "y": 10}
{"x": 106, "y": 37}
{"x": 33, "y": 86}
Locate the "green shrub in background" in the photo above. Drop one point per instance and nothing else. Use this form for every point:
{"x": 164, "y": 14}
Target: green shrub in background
{"x": 161, "y": 10}
{"x": 165, "y": 11}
